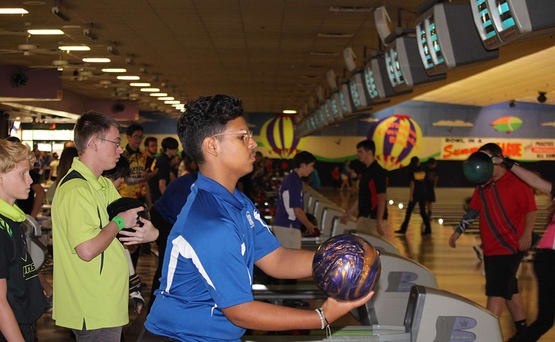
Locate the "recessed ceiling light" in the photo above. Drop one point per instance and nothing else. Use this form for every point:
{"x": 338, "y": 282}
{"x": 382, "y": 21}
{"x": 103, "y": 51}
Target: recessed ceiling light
{"x": 172, "y": 102}
{"x": 128, "y": 78}
{"x": 335, "y": 35}
{"x": 289, "y": 111}
{"x": 166, "y": 98}
{"x": 323, "y": 53}
{"x": 74, "y": 48}
{"x": 13, "y": 11}
{"x": 139, "y": 84}
{"x": 150, "y": 90}
{"x": 114, "y": 70}
{"x": 96, "y": 60}
{"x": 159, "y": 94}
{"x": 350, "y": 9}
{"x": 53, "y": 32}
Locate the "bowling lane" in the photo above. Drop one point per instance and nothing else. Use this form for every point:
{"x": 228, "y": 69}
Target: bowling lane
{"x": 457, "y": 270}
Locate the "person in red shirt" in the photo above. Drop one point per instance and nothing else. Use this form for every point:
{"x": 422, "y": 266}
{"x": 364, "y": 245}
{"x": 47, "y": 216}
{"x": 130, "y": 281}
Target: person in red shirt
{"x": 507, "y": 211}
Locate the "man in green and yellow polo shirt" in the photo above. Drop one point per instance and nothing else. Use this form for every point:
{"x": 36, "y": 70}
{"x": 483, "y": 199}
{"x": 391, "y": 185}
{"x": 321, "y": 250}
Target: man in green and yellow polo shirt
{"x": 91, "y": 272}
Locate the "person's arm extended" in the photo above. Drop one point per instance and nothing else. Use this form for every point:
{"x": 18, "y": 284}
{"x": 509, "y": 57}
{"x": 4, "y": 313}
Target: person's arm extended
{"x": 300, "y": 214}
{"x": 466, "y": 221}
{"x": 90, "y": 249}
{"x": 350, "y": 212}
{"x": 40, "y": 195}
{"x": 380, "y": 212}
{"x": 525, "y": 240}
{"x": 285, "y": 263}
{"x": 532, "y": 179}
{"x": 264, "y": 316}
{"x": 8, "y": 323}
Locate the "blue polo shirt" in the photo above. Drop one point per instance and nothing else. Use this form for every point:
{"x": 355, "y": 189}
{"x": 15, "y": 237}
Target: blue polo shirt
{"x": 290, "y": 196}
{"x": 208, "y": 264}
{"x": 175, "y": 196}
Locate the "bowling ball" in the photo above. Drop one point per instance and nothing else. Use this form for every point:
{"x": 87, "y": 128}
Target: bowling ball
{"x": 346, "y": 267}
{"x": 478, "y": 168}
{"x": 126, "y": 203}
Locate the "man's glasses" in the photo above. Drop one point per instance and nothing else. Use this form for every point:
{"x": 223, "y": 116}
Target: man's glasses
{"x": 117, "y": 143}
{"x": 245, "y": 136}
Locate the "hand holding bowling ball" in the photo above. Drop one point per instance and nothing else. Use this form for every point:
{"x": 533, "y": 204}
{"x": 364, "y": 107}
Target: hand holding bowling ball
{"x": 478, "y": 168}
{"x": 346, "y": 267}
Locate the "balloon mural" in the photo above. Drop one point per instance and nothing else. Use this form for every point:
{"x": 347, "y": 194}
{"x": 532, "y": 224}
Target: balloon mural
{"x": 278, "y": 135}
{"x": 397, "y": 139}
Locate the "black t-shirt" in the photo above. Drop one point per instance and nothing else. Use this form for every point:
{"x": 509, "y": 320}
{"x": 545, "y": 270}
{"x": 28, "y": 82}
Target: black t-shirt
{"x": 24, "y": 292}
{"x": 149, "y": 161}
{"x": 431, "y": 176}
{"x": 418, "y": 176}
{"x": 27, "y": 204}
{"x": 373, "y": 181}
{"x": 164, "y": 168}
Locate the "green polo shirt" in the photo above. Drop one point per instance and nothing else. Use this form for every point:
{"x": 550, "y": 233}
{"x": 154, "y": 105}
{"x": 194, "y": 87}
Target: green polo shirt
{"x": 94, "y": 292}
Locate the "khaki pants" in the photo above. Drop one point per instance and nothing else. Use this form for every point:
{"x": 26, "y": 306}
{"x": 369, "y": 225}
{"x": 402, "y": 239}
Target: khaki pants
{"x": 367, "y": 225}
{"x": 289, "y": 237}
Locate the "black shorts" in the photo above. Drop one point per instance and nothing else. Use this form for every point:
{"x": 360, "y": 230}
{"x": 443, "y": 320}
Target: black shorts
{"x": 501, "y": 275}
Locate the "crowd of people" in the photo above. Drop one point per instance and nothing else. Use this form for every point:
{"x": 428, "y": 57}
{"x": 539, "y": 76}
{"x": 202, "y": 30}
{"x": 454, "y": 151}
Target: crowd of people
{"x": 210, "y": 235}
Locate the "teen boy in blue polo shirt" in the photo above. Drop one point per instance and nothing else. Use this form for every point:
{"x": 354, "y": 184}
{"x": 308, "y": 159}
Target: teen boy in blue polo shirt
{"x": 205, "y": 289}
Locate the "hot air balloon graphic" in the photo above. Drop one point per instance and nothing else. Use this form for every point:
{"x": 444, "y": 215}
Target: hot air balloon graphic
{"x": 397, "y": 140}
{"x": 507, "y": 124}
{"x": 278, "y": 135}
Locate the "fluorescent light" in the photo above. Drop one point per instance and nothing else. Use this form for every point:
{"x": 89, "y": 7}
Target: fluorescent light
{"x": 289, "y": 111}
{"x": 166, "y": 98}
{"x": 128, "y": 78}
{"x": 172, "y": 102}
{"x": 96, "y": 60}
{"x": 13, "y": 11}
{"x": 45, "y": 31}
{"x": 114, "y": 70}
{"x": 74, "y": 48}
{"x": 159, "y": 94}
{"x": 139, "y": 84}
{"x": 150, "y": 90}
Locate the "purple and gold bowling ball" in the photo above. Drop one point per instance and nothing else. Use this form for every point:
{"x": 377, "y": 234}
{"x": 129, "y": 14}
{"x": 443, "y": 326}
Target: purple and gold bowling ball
{"x": 346, "y": 267}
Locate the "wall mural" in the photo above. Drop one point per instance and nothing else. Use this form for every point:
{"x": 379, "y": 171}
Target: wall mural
{"x": 278, "y": 137}
{"x": 397, "y": 139}
{"x": 507, "y": 124}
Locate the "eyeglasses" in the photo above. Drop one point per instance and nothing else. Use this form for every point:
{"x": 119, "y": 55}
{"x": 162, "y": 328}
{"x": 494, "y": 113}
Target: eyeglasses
{"x": 117, "y": 143}
{"x": 245, "y": 136}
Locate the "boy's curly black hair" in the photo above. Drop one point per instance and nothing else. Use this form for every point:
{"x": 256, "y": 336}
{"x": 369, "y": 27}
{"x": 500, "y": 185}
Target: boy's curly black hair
{"x": 203, "y": 118}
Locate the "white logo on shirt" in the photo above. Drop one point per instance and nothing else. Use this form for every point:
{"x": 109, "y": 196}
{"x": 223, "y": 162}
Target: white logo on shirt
{"x": 249, "y": 218}
{"x": 259, "y": 219}
{"x": 243, "y": 248}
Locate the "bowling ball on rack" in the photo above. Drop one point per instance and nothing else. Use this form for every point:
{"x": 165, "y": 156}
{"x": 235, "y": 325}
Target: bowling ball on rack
{"x": 478, "y": 168}
{"x": 346, "y": 267}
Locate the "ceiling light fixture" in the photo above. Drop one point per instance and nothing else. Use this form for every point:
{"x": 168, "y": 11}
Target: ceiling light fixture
{"x": 172, "y": 102}
{"x": 150, "y": 90}
{"x": 158, "y": 94}
{"x": 139, "y": 84}
{"x": 96, "y": 60}
{"x": 13, "y": 11}
{"x": 114, "y": 70}
{"x": 74, "y": 48}
{"x": 166, "y": 98}
{"x": 350, "y": 9}
{"x": 323, "y": 53}
{"x": 128, "y": 78}
{"x": 45, "y": 32}
{"x": 289, "y": 111}
{"x": 335, "y": 35}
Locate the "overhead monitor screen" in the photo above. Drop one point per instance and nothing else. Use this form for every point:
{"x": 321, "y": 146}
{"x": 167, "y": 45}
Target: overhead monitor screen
{"x": 345, "y": 99}
{"x": 370, "y": 82}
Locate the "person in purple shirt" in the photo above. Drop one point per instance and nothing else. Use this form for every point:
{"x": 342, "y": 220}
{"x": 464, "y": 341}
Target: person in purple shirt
{"x": 290, "y": 205}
